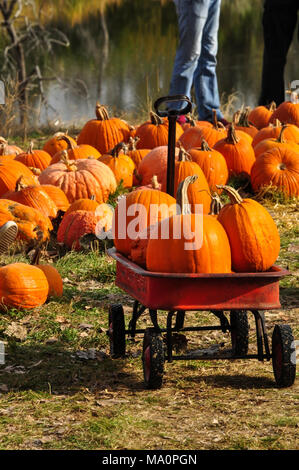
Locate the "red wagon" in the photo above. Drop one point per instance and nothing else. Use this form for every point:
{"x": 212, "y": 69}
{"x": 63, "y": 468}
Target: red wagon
{"x": 236, "y": 293}
{"x": 178, "y": 293}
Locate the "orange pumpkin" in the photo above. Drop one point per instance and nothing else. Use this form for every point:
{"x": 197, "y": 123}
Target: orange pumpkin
{"x": 155, "y": 163}
{"x": 242, "y": 122}
{"x": 23, "y": 286}
{"x": 34, "y": 158}
{"x": 272, "y": 131}
{"x": 175, "y": 254}
{"x": 11, "y": 171}
{"x": 252, "y": 233}
{"x": 57, "y": 196}
{"x": 278, "y": 167}
{"x": 32, "y": 196}
{"x": 278, "y": 142}
{"x": 84, "y": 204}
{"x": 75, "y": 152}
{"x": 80, "y": 179}
{"x": 154, "y": 132}
{"x": 8, "y": 149}
{"x": 287, "y": 112}
{"x": 55, "y": 144}
{"x": 103, "y": 133}
{"x": 237, "y": 151}
{"x": 261, "y": 115}
{"x": 212, "y": 163}
{"x": 54, "y": 280}
{"x": 194, "y": 136}
{"x": 121, "y": 164}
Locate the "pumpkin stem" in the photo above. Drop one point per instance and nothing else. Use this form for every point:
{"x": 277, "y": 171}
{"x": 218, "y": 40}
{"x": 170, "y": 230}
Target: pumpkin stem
{"x": 280, "y": 138}
{"x": 115, "y": 152}
{"x": 155, "y": 182}
{"x": 216, "y": 204}
{"x": 19, "y": 184}
{"x": 68, "y": 163}
{"x": 70, "y": 144}
{"x": 35, "y": 171}
{"x": 205, "y": 146}
{"x": 243, "y": 119}
{"x": 132, "y": 143}
{"x": 184, "y": 156}
{"x": 232, "y": 137}
{"x": 3, "y": 148}
{"x": 30, "y": 149}
{"x": 232, "y": 193}
{"x": 182, "y": 195}
{"x": 155, "y": 119}
{"x": 271, "y": 106}
{"x": 101, "y": 112}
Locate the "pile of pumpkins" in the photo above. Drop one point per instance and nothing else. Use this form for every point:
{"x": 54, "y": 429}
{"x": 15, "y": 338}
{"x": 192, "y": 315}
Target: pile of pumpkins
{"x": 75, "y": 177}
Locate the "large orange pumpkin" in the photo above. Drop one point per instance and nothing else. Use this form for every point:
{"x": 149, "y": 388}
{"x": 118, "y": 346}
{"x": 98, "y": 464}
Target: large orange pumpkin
{"x": 75, "y": 152}
{"x": 155, "y": 164}
{"x": 57, "y": 196}
{"x": 10, "y": 172}
{"x": 54, "y": 280}
{"x": 287, "y": 113}
{"x": 22, "y": 286}
{"x": 194, "y": 136}
{"x": 104, "y": 132}
{"x": 278, "y": 167}
{"x": 279, "y": 142}
{"x": 272, "y": 131}
{"x": 252, "y": 233}
{"x": 81, "y": 179}
{"x": 176, "y": 254}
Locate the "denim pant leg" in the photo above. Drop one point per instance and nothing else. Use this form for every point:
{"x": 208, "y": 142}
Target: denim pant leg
{"x": 205, "y": 78}
{"x": 192, "y": 15}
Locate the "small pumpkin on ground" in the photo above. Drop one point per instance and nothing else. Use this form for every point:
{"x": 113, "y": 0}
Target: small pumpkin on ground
{"x": 252, "y": 233}
{"x": 121, "y": 164}
{"x": 34, "y": 158}
{"x": 76, "y": 224}
{"x": 154, "y": 132}
{"x": 201, "y": 248}
{"x": 212, "y": 163}
{"x": 32, "y": 196}
{"x": 55, "y": 144}
{"x": 75, "y": 151}
{"x": 53, "y": 276}
{"x": 103, "y": 133}
{"x": 237, "y": 151}
{"x": 261, "y": 115}
{"x": 278, "y": 167}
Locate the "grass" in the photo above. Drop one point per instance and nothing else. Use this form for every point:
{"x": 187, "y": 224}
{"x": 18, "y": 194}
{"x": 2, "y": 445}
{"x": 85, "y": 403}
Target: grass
{"x": 61, "y": 377}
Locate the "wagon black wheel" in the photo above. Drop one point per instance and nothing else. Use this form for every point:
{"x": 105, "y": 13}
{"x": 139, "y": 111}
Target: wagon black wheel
{"x": 283, "y": 355}
{"x": 153, "y": 358}
{"x": 239, "y": 332}
{"x": 116, "y": 331}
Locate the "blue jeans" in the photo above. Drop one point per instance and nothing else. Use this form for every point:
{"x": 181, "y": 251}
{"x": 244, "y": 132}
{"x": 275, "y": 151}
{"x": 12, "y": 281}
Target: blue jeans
{"x": 195, "y": 61}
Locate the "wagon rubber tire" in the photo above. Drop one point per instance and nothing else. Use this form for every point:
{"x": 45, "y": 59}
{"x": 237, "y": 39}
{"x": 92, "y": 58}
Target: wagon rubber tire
{"x": 283, "y": 355}
{"x": 239, "y": 332}
{"x": 116, "y": 331}
{"x": 153, "y": 359}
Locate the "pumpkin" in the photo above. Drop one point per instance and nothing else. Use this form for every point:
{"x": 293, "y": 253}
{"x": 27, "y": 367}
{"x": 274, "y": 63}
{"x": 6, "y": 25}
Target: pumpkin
{"x": 75, "y": 152}
{"x": 134, "y": 153}
{"x": 212, "y": 163}
{"x": 57, "y": 196}
{"x": 22, "y": 286}
{"x": 138, "y": 210}
{"x": 55, "y": 144}
{"x": 280, "y": 142}
{"x": 76, "y": 224}
{"x": 8, "y": 149}
{"x": 104, "y": 132}
{"x": 237, "y": 151}
{"x": 198, "y": 192}
{"x": 287, "y": 112}
{"x": 278, "y": 167}
{"x": 80, "y": 179}
{"x": 252, "y": 233}
{"x": 202, "y": 247}
{"x": 32, "y": 224}
{"x": 84, "y": 204}
{"x": 121, "y": 164}
{"x": 32, "y": 196}
{"x": 261, "y": 115}
{"x": 272, "y": 131}
{"x": 154, "y": 132}
{"x": 194, "y": 136}
{"x": 10, "y": 172}
{"x": 54, "y": 280}
{"x": 155, "y": 163}
{"x": 192, "y": 122}
{"x": 34, "y": 158}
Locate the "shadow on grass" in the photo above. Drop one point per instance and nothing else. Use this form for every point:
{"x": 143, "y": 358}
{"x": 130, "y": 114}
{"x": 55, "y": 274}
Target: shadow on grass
{"x": 56, "y": 370}
{"x": 239, "y": 382}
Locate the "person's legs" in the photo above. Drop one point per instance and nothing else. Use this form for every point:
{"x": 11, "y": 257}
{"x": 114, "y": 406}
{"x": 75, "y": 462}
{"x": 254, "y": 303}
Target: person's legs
{"x": 205, "y": 78}
{"x": 279, "y": 23}
{"x": 192, "y": 16}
